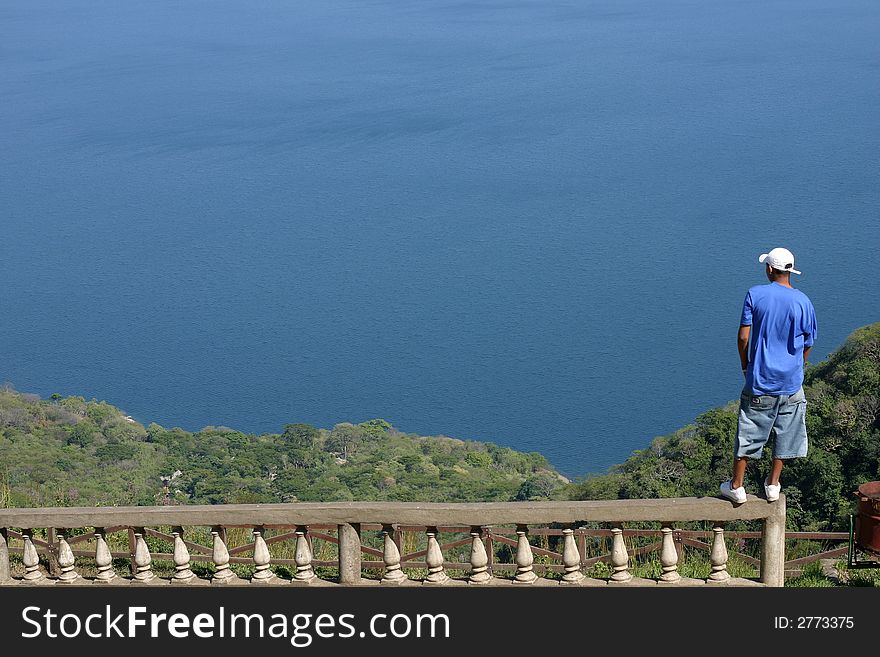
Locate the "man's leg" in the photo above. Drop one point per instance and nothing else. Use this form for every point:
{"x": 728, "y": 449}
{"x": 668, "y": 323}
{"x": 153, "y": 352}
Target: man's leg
{"x": 739, "y": 471}
{"x": 790, "y": 428}
{"x": 756, "y": 416}
{"x": 775, "y": 471}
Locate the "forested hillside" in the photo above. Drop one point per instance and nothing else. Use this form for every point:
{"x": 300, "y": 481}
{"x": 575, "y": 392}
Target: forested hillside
{"x": 843, "y": 424}
{"x": 69, "y": 451}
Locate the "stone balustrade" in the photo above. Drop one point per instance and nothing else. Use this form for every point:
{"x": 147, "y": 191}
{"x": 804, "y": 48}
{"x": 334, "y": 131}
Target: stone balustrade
{"x": 69, "y": 528}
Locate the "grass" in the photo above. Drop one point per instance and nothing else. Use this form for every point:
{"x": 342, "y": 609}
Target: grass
{"x": 869, "y": 577}
{"x": 810, "y": 577}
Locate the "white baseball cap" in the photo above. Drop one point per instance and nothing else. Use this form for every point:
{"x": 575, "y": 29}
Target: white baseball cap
{"x": 781, "y": 259}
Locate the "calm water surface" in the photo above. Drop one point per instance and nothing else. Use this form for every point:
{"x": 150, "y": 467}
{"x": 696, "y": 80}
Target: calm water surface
{"x": 525, "y": 222}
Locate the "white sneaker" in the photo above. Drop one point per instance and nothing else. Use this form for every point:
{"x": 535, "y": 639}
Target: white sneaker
{"x": 772, "y": 491}
{"x": 737, "y": 495}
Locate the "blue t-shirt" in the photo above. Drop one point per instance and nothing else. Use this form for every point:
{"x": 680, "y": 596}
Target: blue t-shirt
{"x": 783, "y": 323}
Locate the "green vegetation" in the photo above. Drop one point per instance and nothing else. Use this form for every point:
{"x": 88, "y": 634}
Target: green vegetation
{"x": 859, "y": 577}
{"x": 69, "y": 451}
{"x": 843, "y": 422}
{"x": 810, "y": 577}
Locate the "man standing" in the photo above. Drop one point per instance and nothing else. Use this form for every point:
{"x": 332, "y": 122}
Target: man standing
{"x": 781, "y": 323}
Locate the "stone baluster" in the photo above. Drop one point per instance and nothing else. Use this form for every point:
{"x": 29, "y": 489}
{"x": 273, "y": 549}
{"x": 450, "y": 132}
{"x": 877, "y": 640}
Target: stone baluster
{"x": 183, "y": 573}
{"x": 525, "y": 573}
{"x": 718, "y": 556}
{"x": 33, "y": 574}
{"x": 391, "y": 557}
{"x": 434, "y": 559}
{"x": 220, "y": 555}
{"x": 103, "y": 558}
{"x": 66, "y": 560}
{"x": 262, "y": 573}
{"x": 5, "y": 573}
{"x": 571, "y": 558}
{"x": 479, "y": 558}
{"x": 668, "y": 557}
{"x": 303, "y": 556}
{"x": 143, "y": 562}
{"x": 619, "y": 556}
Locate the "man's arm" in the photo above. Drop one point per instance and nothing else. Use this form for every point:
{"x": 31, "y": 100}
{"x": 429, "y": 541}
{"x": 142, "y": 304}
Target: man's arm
{"x": 809, "y": 331}
{"x": 742, "y": 344}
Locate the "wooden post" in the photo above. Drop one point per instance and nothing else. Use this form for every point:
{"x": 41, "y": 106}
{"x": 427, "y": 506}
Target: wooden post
{"x": 52, "y": 553}
{"x": 582, "y": 546}
{"x": 679, "y": 545}
{"x": 490, "y": 552}
{"x": 132, "y": 550}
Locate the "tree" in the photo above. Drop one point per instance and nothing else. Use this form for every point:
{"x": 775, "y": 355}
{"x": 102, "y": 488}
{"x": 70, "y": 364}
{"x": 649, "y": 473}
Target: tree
{"x": 376, "y": 428}
{"x": 540, "y": 486}
{"x": 478, "y": 459}
{"x": 82, "y": 434}
{"x": 345, "y": 439}
{"x": 300, "y": 436}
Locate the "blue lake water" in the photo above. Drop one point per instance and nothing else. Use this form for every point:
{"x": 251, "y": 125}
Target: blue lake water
{"x": 531, "y": 223}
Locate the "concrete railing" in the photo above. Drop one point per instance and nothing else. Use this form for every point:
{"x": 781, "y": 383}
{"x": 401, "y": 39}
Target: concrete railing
{"x": 300, "y": 524}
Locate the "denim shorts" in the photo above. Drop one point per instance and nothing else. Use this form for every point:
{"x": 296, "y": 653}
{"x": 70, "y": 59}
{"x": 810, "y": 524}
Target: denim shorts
{"x": 781, "y": 417}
